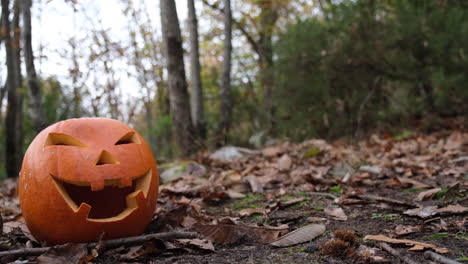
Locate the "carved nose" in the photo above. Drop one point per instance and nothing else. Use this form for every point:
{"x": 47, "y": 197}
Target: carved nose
{"x": 106, "y": 158}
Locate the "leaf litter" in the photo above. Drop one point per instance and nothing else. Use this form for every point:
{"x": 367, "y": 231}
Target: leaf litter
{"x": 244, "y": 208}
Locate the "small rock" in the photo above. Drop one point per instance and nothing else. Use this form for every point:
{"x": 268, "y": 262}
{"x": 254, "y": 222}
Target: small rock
{"x": 176, "y": 170}
{"x": 230, "y": 153}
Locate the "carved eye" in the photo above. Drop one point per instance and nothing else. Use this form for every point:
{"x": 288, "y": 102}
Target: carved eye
{"x": 58, "y": 139}
{"x": 128, "y": 138}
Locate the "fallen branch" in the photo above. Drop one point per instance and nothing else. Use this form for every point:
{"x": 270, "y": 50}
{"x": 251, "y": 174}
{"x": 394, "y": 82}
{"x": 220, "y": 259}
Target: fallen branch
{"x": 375, "y": 198}
{"x": 439, "y": 258}
{"x": 111, "y": 243}
{"x": 395, "y": 253}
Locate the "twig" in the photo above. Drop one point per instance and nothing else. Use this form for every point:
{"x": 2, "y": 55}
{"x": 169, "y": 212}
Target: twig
{"x": 127, "y": 241}
{"x": 395, "y": 253}
{"x": 139, "y": 239}
{"x": 376, "y": 198}
{"x": 439, "y": 258}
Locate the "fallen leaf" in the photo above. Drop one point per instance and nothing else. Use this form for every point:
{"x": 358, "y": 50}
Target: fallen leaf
{"x": 148, "y": 248}
{"x": 271, "y": 151}
{"x": 412, "y": 182}
{"x": 426, "y": 195}
{"x": 20, "y": 224}
{"x": 422, "y": 212}
{"x": 290, "y": 202}
{"x": 401, "y": 230}
{"x": 428, "y": 211}
{"x": 452, "y": 209}
{"x": 315, "y": 219}
{"x": 284, "y": 163}
{"x": 251, "y": 211}
{"x": 69, "y": 253}
{"x": 255, "y": 184}
{"x": 376, "y": 198}
{"x": 371, "y": 169}
{"x": 454, "y": 141}
{"x": 227, "y": 234}
{"x": 233, "y": 194}
{"x": 300, "y": 235}
{"x": 336, "y": 212}
{"x": 416, "y": 245}
{"x": 198, "y": 243}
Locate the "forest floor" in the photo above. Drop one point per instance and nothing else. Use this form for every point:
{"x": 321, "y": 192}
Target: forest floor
{"x": 346, "y": 199}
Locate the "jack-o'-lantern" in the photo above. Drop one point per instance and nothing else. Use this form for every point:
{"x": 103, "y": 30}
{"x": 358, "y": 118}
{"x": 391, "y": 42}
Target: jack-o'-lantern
{"x": 85, "y": 177}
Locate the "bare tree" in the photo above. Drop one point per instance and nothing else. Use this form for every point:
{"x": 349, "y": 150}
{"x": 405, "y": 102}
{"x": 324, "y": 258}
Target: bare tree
{"x": 268, "y": 18}
{"x": 37, "y": 113}
{"x": 13, "y": 135}
{"x": 196, "y": 93}
{"x": 261, "y": 43}
{"x": 226, "y": 104}
{"x": 178, "y": 95}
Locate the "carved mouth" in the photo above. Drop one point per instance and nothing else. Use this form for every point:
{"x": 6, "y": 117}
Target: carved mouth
{"x": 113, "y": 202}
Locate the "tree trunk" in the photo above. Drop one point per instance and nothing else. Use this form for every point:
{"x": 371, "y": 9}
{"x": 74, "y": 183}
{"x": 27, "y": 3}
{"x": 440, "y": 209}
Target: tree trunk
{"x": 75, "y": 73}
{"x": 196, "y": 95}
{"x": 226, "y": 104}
{"x": 37, "y": 113}
{"x": 268, "y": 17}
{"x": 178, "y": 95}
{"x": 12, "y": 123}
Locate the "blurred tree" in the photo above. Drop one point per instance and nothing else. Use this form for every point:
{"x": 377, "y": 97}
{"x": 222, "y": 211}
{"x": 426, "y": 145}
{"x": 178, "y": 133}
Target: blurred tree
{"x": 13, "y": 121}
{"x": 179, "y": 101}
{"x": 196, "y": 92}
{"x": 226, "y": 101}
{"x": 37, "y": 113}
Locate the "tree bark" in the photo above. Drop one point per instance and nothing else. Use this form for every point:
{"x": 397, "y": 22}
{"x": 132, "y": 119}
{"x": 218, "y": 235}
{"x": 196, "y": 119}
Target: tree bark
{"x": 13, "y": 133}
{"x": 196, "y": 95}
{"x": 268, "y": 17}
{"x": 178, "y": 95}
{"x": 226, "y": 104}
{"x": 262, "y": 45}
{"x": 37, "y": 113}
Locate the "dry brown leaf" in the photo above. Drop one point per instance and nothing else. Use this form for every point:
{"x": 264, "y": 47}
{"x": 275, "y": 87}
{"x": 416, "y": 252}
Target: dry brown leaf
{"x": 422, "y": 212}
{"x": 300, "y": 235}
{"x": 426, "y": 195}
{"x": 428, "y": 211}
{"x": 454, "y": 141}
{"x": 151, "y": 247}
{"x": 452, "y": 209}
{"x": 401, "y": 230}
{"x": 336, "y": 212}
{"x": 415, "y": 183}
{"x": 271, "y": 151}
{"x": 315, "y": 219}
{"x": 255, "y": 184}
{"x": 375, "y": 198}
{"x": 227, "y": 234}
{"x": 416, "y": 245}
{"x": 251, "y": 211}
{"x": 233, "y": 194}
{"x": 290, "y": 202}
{"x": 64, "y": 254}
{"x": 198, "y": 243}
{"x": 284, "y": 163}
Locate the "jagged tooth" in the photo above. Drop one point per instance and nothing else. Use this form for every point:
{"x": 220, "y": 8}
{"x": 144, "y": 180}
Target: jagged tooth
{"x": 84, "y": 209}
{"x": 97, "y": 185}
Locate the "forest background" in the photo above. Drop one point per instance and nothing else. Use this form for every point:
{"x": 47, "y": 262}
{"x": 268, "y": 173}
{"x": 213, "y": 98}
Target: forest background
{"x": 238, "y": 73}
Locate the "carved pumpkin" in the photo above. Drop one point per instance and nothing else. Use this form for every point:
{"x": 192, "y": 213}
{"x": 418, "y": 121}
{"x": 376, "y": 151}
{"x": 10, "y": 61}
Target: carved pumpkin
{"x": 84, "y": 177}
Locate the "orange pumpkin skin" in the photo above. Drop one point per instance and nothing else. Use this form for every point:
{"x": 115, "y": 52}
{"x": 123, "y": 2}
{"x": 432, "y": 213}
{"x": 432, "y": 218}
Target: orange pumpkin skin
{"x": 76, "y": 164}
